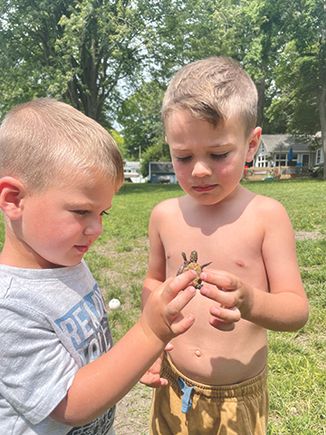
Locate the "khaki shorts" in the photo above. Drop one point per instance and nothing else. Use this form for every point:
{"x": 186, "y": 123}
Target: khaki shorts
{"x": 187, "y": 407}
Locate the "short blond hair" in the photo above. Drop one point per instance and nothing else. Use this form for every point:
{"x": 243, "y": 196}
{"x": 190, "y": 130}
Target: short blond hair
{"x": 45, "y": 139}
{"x": 213, "y": 89}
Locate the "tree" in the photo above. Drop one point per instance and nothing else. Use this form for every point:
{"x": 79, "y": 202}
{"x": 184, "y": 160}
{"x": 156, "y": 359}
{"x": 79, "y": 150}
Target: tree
{"x": 300, "y": 75}
{"x": 140, "y": 118}
{"x": 247, "y": 30}
{"x": 177, "y": 33}
{"x": 78, "y": 50}
{"x": 281, "y": 45}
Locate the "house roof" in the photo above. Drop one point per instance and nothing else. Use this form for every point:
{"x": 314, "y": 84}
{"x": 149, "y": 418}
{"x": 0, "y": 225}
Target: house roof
{"x": 283, "y": 142}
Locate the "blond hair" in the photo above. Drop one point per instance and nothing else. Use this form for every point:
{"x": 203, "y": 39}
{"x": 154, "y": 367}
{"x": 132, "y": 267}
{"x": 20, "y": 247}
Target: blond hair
{"x": 213, "y": 89}
{"x": 46, "y": 139}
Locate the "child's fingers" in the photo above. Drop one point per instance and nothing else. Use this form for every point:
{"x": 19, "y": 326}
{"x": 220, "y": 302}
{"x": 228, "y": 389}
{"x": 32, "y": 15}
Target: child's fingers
{"x": 181, "y": 324}
{"x": 224, "y": 318}
{"x": 222, "y": 288}
{"x": 178, "y": 322}
{"x": 228, "y": 299}
{"x": 153, "y": 380}
{"x": 178, "y": 283}
{"x": 227, "y": 315}
{"x": 220, "y": 279}
{"x": 222, "y": 326}
{"x": 179, "y": 302}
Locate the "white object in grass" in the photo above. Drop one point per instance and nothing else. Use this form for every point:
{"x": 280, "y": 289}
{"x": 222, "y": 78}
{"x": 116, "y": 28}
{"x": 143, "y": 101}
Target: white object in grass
{"x": 114, "y": 304}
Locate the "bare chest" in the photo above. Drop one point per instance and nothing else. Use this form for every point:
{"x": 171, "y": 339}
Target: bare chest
{"x": 234, "y": 246}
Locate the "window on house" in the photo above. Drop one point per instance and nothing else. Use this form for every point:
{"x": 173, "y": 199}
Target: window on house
{"x": 261, "y": 161}
{"x": 319, "y": 157}
{"x": 293, "y": 161}
{"x": 305, "y": 160}
{"x": 280, "y": 159}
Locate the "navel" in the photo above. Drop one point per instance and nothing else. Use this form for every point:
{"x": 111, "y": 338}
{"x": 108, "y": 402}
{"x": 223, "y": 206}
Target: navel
{"x": 240, "y": 263}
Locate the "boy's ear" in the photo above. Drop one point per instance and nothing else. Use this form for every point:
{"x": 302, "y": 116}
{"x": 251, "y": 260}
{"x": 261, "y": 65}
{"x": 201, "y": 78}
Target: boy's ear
{"x": 11, "y": 194}
{"x": 254, "y": 142}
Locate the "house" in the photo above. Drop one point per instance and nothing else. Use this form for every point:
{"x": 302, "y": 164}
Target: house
{"x": 279, "y": 150}
{"x": 319, "y": 161}
{"x": 161, "y": 172}
{"x": 132, "y": 172}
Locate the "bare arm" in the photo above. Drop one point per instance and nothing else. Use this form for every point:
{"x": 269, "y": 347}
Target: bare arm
{"x": 100, "y": 384}
{"x": 154, "y": 277}
{"x": 285, "y": 306}
{"x": 156, "y": 260}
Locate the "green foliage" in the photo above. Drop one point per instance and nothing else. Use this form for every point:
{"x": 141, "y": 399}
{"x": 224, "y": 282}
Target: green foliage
{"x": 140, "y": 117}
{"x": 293, "y": 100}
{"x": 75, "y": 50}
{"x": 120, "y": 141}
{"x": 96, "y": 54}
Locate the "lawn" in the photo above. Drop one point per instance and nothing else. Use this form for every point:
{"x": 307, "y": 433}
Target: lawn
{"x": 297, "y": 361}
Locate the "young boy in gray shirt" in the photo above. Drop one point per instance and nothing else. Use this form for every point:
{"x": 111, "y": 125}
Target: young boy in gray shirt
{"x": 59, "y": 373}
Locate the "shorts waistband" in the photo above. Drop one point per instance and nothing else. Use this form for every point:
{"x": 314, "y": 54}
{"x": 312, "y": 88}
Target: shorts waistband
{"x": 249, "y": 387}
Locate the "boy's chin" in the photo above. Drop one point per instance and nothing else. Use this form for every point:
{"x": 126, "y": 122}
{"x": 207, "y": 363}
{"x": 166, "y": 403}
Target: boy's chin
{"x": 206, "y": 199}
{"x": 56, "y": 264}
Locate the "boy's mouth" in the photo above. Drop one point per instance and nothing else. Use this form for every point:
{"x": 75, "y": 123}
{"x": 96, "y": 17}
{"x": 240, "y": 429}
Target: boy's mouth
{"x": 82, "y": 248}
{"x": 204, "y": 188}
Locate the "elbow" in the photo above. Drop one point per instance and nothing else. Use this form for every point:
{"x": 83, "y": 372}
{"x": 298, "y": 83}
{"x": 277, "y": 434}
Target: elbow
{"x": 72, "y": 420}
{"x": 65, "y": 415}
{"x": 301, "y": 319}
{"x": 305, "y": 317}
{"x": 305, "y": 313}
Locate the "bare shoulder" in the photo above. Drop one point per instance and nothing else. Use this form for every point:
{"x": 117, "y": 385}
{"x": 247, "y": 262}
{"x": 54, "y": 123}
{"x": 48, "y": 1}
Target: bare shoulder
{"x": 164, "y": 208}
{"x": 270, "y": 211}
{"x": 266, "y": 205}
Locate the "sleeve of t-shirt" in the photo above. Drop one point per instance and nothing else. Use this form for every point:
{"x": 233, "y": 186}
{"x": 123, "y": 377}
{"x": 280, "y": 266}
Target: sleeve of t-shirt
{"x": 36, "y": 370}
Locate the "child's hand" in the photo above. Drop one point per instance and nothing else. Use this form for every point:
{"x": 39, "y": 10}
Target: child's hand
{"x": 152, "y": 377}
{"x": 161, "y": 315}
{"x": 232, "y": 295}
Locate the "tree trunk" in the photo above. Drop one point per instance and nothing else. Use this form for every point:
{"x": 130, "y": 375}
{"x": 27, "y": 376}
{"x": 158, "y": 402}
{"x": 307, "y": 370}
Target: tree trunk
{"x": 322, "y": 112}
{"x": 261, "y": 85}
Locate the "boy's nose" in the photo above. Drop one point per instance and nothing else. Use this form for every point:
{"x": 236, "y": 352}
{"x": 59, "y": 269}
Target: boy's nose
{"x": 94, "y": 228}
{"x": 201, "y": 169}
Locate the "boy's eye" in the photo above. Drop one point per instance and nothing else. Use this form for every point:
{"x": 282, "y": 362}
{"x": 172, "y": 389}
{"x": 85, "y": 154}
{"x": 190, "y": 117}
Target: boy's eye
{"x": 86, "y": 212}
{"x": 80, "y": 212}
{"x": 183, "y": 159}
{"x": 219, "y": 156}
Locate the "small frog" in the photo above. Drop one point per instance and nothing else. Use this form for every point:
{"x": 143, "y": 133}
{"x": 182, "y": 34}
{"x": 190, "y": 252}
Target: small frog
{"x": 192, "y": 264}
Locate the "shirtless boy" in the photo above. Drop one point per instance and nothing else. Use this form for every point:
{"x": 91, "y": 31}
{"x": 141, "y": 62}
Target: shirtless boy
{"x": 216, "y": 371}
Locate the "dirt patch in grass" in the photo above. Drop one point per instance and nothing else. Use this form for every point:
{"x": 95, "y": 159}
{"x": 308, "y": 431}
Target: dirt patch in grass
{"x": 308, "y": 235}
{"x": 132, "y": 414}
{"x": 128, "y": 269}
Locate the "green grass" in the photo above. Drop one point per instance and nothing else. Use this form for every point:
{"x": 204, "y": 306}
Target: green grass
{"x": 297, "y": 361}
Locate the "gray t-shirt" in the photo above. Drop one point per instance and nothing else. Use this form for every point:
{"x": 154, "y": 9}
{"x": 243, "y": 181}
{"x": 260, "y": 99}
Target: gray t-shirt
{"x": 52, "y": 322}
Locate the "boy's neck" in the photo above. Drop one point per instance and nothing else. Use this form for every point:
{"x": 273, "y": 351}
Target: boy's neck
{"x": 235, "y": 195}
{"x": 15, "y": 255}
